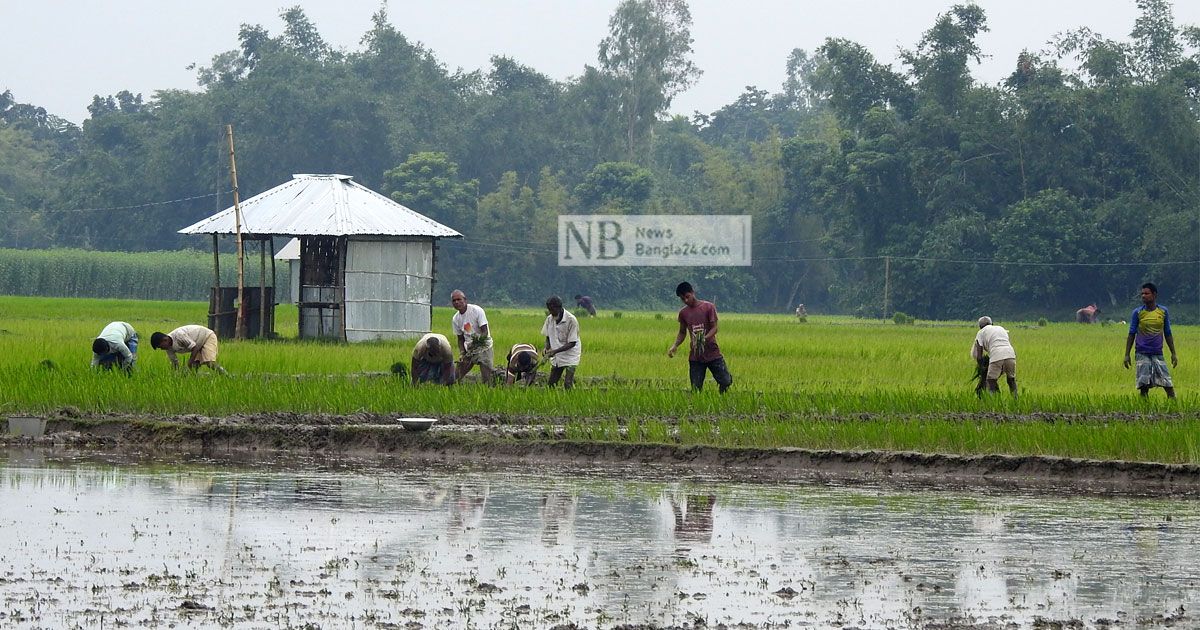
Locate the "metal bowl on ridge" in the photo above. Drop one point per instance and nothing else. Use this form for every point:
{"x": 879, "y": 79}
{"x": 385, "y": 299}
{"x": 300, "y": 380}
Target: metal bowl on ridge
{"x": 417, "y": 424}
{"x": 26, "y": 425}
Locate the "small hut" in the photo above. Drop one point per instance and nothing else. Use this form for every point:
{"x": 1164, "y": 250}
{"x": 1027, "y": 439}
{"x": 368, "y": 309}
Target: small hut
{"x": 366, "y": 263}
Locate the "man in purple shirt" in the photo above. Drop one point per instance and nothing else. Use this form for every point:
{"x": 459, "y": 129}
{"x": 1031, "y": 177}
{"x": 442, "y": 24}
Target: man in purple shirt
{"x": 585, "y": 302}
{"x": 1149, "y": 326}
{"x": 698, "y": 323}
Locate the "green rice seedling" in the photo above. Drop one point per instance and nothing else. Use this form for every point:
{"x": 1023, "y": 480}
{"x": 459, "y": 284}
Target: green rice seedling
{"x": 893, "y": 387}
{"x": 633, "y": 431}
{"x": 657, "y": 432}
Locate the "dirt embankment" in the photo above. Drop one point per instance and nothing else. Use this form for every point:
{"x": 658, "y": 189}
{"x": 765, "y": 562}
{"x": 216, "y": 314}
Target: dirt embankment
{"x": 499, "y": 439}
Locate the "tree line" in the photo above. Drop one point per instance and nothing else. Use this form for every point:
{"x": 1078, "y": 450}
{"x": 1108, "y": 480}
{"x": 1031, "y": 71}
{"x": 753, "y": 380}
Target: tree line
{"x": 915, "y": 188}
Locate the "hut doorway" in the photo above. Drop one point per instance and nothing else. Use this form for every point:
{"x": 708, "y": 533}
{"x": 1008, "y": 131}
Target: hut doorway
{"x": 322, "y": 286}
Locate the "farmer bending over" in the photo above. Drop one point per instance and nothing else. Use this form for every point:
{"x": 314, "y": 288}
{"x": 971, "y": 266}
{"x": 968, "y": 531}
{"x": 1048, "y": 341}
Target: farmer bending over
{"x": 433, "y": 360}
{"x": 522, "y": 364}
{"x": 1002, "y": 358}
{"x": 116, "y": 345}
{"x": 198, "y": 342}
{"x": 585, "y": 302}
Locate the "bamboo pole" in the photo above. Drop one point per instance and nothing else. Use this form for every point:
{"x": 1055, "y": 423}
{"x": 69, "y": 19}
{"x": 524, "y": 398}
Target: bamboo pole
{"x": 240, "y": 330}
{"x": 214, "y": 302}
{"x": 887, "y": 283}
{"x": 274, "y": 285}
{"x": 262, "y": 289}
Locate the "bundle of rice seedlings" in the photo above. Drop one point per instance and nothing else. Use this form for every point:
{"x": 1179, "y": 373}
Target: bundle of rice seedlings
{"x": 980, "y": 374}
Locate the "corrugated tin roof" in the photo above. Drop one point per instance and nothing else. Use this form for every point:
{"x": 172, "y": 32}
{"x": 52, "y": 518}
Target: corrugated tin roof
{"x": 291, "y": 251}
{"x": 322, "y": 205}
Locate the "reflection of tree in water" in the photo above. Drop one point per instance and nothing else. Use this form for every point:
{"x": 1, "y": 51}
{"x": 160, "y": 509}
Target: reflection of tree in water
{"x": 558, "y": 517}
{"x": 694, "y": 517}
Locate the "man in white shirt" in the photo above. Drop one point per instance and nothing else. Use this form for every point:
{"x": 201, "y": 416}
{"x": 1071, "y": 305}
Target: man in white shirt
{"x": 1002, "y": 358}
{"x": 563, "y": 347}
{"x": 474, "y": 339}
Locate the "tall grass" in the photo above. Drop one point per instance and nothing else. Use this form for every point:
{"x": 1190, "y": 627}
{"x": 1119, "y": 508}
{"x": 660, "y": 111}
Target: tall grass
{"x": 173, "y": 275}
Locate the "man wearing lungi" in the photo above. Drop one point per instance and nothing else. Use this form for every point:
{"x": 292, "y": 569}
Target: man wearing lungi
{"x": 1149, "y": 325}
{"x": 198, "y": 342}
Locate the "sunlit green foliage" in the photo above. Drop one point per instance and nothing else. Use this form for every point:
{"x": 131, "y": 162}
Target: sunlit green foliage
{"x": 828, "y": 383}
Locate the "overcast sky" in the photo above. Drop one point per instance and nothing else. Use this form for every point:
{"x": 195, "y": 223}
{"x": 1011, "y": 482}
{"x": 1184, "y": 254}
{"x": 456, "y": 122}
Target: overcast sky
{"x": 59, "y": 53}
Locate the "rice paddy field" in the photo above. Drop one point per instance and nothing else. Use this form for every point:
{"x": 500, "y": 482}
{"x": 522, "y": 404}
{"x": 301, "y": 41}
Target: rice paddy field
{"x": 828, "y": 383}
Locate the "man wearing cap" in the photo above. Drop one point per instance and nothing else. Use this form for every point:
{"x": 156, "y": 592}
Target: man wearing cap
{"x": 116, "y": 345}
{"x": 993, "y": 341}
{"x": 433, "y": 360}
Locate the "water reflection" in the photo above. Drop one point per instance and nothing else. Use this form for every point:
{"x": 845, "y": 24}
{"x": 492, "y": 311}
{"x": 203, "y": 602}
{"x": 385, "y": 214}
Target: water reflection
{"x": 693, "y": 517}
{"x": 557, "y": 515}
{"x": 449, "y": 547}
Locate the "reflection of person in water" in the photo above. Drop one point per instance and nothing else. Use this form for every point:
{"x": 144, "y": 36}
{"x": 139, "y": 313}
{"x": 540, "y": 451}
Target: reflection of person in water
{"x": 558, "y": 517}
{"x": 694, "y": 519}
{"x": 466, "y": 506}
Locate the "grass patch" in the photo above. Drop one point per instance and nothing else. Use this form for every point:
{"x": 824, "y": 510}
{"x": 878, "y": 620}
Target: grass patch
{"x": 835, "y": 383}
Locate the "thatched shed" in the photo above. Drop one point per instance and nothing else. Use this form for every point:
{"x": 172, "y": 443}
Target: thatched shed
{"x": 367, "y": 264}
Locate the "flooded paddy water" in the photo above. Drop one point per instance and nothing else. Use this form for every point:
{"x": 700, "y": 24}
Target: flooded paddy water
{"x": 104, "y": 540}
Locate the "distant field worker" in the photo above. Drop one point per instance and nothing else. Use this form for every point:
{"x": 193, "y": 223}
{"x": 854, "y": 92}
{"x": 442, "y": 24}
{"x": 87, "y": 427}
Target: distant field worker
{"x": 474, "y": 338}
{"x": 433, "y": 360}
{"x": 195, "y": 340}
{"x": 698, "y": 323}
{"x": 993, "y": 341}
{"x": 116, "y": 346}
{"x": 522, "y": 363}
{"x": 586, "y": 304}
{"x": 1149, "y": 325}
{"x": 563, "y": 346}
{"x": 1089, "y": 314}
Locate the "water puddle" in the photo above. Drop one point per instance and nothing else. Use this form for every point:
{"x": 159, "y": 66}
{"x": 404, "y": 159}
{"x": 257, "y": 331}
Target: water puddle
{"x": 97, "y": 542}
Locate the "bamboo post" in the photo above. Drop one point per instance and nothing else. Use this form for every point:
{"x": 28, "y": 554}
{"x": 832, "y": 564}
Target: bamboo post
{"x": 887, "y": 283}
{"x": 214, "y": 303}
{"x": 240, "y": 330}
{"x": 262, "y": 289}
{"x": 432, "y": 280}
{"x": 274, "y": 285}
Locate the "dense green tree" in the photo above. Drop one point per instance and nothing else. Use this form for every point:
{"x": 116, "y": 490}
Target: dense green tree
{"x": 1084, "y": 155}
{"x": 619, "y": 187}
{"x": 1048, "y": 228}
{"x": 648, "y": 51}
{"x": 515, "y": 124}
{"x": 429, "y": 183}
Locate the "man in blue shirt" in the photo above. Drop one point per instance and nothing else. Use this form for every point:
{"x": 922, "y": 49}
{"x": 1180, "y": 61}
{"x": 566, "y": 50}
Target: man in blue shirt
{"x": 1149, "y": 326}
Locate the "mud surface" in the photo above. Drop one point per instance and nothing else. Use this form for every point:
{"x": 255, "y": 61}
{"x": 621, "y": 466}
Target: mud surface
{"x": 508, "y": 439}
{"x": 112, "y": 538}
